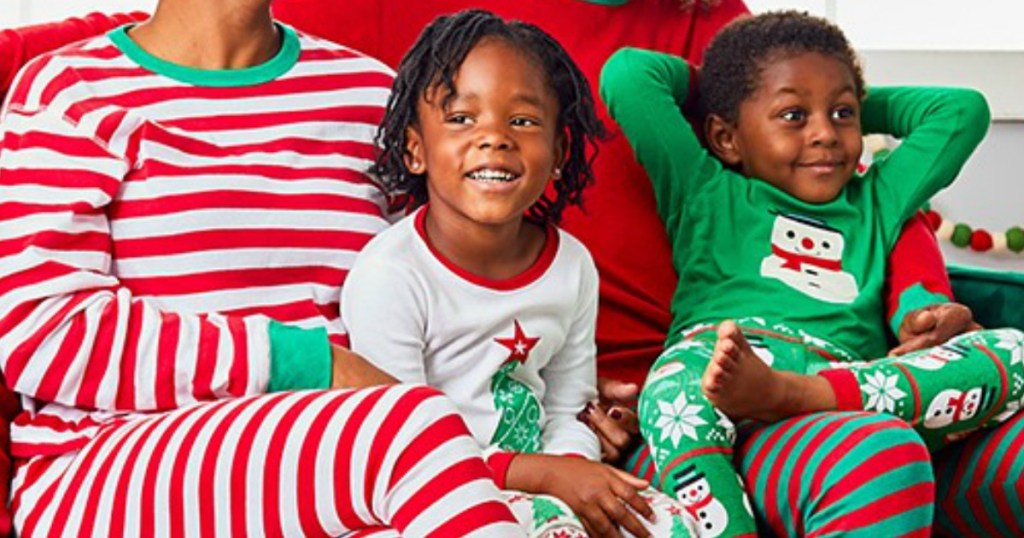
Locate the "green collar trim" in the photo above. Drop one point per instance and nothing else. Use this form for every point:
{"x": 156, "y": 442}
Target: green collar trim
{"x": 222, "y": 78}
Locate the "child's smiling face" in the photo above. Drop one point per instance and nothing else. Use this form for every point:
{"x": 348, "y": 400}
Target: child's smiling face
{"x": 800, "y": 128}
{"x": 490, "y": 153}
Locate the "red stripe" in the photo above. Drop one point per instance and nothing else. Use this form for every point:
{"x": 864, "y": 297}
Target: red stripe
{"x": 343, "y": 471}
{"x": 54, "y": 240}
{"x": 127, "y": 388}
{"x": 272, "y": 464}
{"x": 685, "y": 457}
{"x": 183, "y": 455}
{"x": 128, "y": 472}
{"x": 309, "y": 489}
{"x": 355, "y": 113}
{"x": 206, "y": 359}
{"x": 1013, "y": 454}
{"x": 100, "y": 484}
{"x": 386, "y": 432}
{"x": 75, "y": 478}
{"x": 210, "y": 455}
{"x": 213, "y": 240}
{"x": 148, "y": 505}
{"x": 238, "y": 381}
{"x": 230, "y": 199}
{"x": 196, "y": 147}
{"x": 842, "y": 450}
{"x": 27, "y": 351}
{"x": 462, "y": 472}
{"x": 167, "y": 360}
{"x": 984, "y": 460}
{"x": 242, "y": 459}
{"x": 278, "y": 172}
{"x": 915, "y": 392}
{"x": 772, "y": 492}
{"x": 812, "y": 448}
{"x": 99, "y": 357}
{"x": 234, "y": 279}
{"x": 892, "y": 504}
{"x": 36, "y": 510}
{"x": 474, "y": 518}
{"x": 1004, "y": 383}
{"x": 871, "y": 468}
{"x": 56, "y": 371}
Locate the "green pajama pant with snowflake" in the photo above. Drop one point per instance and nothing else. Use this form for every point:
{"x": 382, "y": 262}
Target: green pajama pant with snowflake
{"x": 944, "y": 393}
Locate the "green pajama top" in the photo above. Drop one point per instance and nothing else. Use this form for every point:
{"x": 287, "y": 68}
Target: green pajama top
{"x": 745, "y": 248}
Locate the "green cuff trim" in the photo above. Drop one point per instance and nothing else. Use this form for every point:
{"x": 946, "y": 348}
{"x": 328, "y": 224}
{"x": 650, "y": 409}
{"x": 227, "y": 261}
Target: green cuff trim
{"x": 299, "y": 358}
{"x": 284, "y": 60}
{"x": 912, "y": 298}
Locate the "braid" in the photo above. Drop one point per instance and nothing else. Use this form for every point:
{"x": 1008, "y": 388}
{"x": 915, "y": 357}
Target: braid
{"x": 434, "y": 60}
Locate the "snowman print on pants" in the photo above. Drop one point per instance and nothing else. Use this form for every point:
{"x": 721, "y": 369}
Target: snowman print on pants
{"x": 807, "y": 255}
{"x": 704, "y": 511}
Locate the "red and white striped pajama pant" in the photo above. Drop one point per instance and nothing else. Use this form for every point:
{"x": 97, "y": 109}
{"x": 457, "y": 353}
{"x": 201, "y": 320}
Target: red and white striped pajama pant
{"x": 313, "y": 463}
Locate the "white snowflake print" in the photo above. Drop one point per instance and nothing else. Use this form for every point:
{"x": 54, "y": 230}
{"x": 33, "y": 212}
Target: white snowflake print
{"x": 727, "y": 426}
{"x": 882, "y": 392}
{"x": 678, "y": 419}
{"x": 1012, "y": 341}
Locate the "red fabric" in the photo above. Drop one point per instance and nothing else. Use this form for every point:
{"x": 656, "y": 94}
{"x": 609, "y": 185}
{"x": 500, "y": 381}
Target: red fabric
{"x": 915, "y": 259}
{"x": 621, "y": 227}
{"x": 18, "y": 46}
{"x": 845, "y": 387}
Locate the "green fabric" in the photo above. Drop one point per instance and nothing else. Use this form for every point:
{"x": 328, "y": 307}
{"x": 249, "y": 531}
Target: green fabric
{"x": 251, "y": 76}
{"x": 995, "y": 297}
{"x": 299, "y": 358}
{"x": 726, "y": 230}
{"x": 912, "y": 298}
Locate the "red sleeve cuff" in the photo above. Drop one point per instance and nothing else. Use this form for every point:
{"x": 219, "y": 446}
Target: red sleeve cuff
{"x": 499, "y": 463}
{"x": 845, "y": 388}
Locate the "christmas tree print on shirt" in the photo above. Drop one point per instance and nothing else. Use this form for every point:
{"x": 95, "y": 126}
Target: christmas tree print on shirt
{"x": 519, "y": 427}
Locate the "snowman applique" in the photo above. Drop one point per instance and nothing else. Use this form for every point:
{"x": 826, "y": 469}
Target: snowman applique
{"x": 704, "y": 511}
{"x": 938, "y": 356}
{"x": 951, "y": 406}
{"x": 807, "y": 255}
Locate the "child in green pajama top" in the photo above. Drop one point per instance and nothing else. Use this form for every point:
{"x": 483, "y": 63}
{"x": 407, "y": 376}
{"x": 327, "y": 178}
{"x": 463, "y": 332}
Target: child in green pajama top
{"x": 781, "y": 248}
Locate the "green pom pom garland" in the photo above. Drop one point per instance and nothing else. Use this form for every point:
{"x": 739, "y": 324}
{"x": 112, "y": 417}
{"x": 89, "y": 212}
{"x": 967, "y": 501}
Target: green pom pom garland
{"x": 977, "y": 239}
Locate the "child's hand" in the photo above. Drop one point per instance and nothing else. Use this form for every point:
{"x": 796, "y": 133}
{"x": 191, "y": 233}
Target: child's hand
{"x": 597, "y": 493}
{"x": 612, "y": 419}
{"x": 932, "y": 326}
{"x": 349, "y": 371}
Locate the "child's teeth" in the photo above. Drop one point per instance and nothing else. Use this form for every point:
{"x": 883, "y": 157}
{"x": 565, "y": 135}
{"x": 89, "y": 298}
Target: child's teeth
{"x": 492, "y": 175}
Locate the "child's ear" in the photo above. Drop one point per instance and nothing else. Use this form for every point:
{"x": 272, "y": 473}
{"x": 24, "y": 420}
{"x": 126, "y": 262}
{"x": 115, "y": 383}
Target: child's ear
{"x": 721, "y": 137}
{"x": 561, "y": 151}
{"x": 414, "y": 160}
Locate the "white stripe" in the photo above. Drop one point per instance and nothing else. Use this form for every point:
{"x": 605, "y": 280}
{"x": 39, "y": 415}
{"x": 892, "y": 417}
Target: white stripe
{"x": 194, "y": 462}
{"x": 31, "y": 492}
{"x": 291, "y": 455}
{"x": 244, "y": 219}
{"x": 225, "y": 356}
{"x": 158, "y": 187}
{"x": 40, "y": 314}
{"x": 64, "y": 284}
{"x": 133, "y": 510}
{"x": 258, "y": 344}
{"x": 145, "y": 353}
{"x": 45, "y": 194}
{"x": 191, "y": 108}
{"x": 328, "y": 455}
{"x": 186, "y": 360}
{"x": 255, "y": 468}
{"x": 35, "y": 158}
{"x": 254, "y": 297}
{"x": 105, "y": 507}
{"x": 285, "y": 158}
{"x": 42, "y": 357}
{"x": 165, "y": 467}
{"x": 225, "y": 459}
{"x": 29, "y": 434}
{"x": 110, "y": 385}
{"x": 75, "y": 368}
{"x": 232, "y": 260}
{"x": 45, "y": 222}
{"x": 323, "y": 130}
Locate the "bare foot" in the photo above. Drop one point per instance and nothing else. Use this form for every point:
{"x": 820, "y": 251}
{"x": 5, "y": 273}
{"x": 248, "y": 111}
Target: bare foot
{"x": 741, "y": 385}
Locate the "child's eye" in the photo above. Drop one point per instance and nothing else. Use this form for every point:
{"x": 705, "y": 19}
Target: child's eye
{"x": 793, "y": 115}
{"x": 524, "y": 122}
{"x": 460, "y": 119}
{"x": 843, "y": 113}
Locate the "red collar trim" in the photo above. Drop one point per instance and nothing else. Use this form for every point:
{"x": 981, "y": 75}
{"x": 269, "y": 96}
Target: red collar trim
{"x": 527, "y": 277}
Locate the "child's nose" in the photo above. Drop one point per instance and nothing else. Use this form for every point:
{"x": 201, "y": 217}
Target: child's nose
{"x": 823, "y": 133}
{"x": 493, "y": 137}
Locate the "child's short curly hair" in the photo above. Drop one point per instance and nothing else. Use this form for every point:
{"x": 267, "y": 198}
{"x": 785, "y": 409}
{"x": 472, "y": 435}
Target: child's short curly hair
{"x": 433, "y": 62}
{"x": 735, "y": 58}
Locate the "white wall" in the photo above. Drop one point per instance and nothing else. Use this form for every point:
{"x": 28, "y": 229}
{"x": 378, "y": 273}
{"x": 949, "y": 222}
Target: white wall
{"x": 21, "y": 12}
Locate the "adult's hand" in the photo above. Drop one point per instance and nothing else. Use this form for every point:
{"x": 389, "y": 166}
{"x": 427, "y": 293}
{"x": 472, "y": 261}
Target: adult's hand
{"x": 349, "y": 370}
{"x": 933, "y": 325}
{"x": 613, "y": 419}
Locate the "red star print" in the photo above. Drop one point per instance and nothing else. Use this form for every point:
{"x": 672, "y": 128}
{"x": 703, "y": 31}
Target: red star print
{"x": 519, "y": 345}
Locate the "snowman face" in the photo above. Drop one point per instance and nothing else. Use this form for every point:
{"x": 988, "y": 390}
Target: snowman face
{"x": 806, "y": 239}
{"x": 951, "y": 406}
{"x": 945, "y": 353}
{"x": 695, "y": 492}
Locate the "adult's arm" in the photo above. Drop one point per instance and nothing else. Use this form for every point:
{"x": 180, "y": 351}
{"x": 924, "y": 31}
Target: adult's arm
{"x": 70, "y": 331}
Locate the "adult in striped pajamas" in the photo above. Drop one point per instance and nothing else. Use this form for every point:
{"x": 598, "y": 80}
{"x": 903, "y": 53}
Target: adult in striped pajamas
{"x": 180, "y": 202}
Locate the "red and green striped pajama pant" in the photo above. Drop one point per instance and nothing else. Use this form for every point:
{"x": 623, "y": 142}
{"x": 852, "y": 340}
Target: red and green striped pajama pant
{"x": 860, "y": 471}
{"x": 313, "y": 463}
